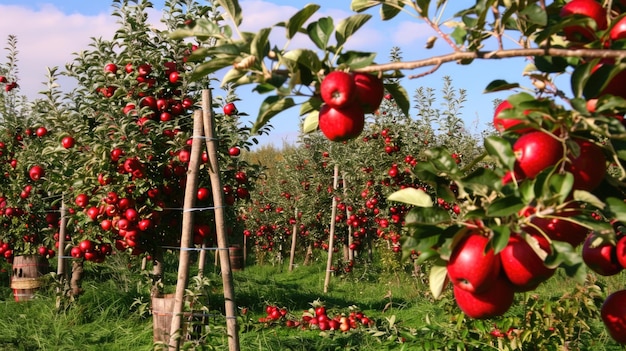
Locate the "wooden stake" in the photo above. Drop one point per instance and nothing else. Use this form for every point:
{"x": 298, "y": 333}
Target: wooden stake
{"x": 62, "y": 229}
{"x": 294, "y": 235}
{"x": 331, "y": 239}
{"x": 220, "y": 225}
{"x": 186, "y": 239}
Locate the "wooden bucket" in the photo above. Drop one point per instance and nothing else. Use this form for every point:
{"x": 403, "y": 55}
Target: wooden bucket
{"x": 235, "y": 254}
{"x": 162, "y": 315}
{"x": 26, "y": 277}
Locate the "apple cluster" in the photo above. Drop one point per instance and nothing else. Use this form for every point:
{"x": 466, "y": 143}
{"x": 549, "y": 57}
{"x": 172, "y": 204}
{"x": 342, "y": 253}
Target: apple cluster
{"x": 8, "y": 86}
{"x": 317, "y": 318}
{"x": 347, "y": 98}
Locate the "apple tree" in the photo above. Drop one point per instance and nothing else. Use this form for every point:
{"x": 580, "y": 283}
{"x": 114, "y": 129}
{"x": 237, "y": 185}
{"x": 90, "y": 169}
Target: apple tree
{"x": 548, "y": 191}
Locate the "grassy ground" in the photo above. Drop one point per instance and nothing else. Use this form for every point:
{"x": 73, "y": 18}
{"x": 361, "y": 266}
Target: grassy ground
{"x": 113, "y": 313}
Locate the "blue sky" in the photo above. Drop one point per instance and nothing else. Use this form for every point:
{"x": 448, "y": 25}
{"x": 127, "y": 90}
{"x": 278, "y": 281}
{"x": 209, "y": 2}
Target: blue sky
{"x": 49, "y": 31}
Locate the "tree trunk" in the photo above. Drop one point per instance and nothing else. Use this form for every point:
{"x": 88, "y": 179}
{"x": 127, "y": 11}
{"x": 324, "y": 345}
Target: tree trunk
{"x": 77, "y": 277}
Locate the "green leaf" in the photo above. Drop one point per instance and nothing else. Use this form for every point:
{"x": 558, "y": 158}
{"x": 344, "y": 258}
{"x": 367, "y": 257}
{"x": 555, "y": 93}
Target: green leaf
{"x": 347, "y": 27}
{"x": 233, "y": 10}
{"x": 232, "y": 76}
{"x": 211, "y": 66}
{"x": 501, "y": 235}
{"x": 356, "y": 59}
{"x": 580, "y": 76}
{"x": 568, "y": 258}
{"x": 311, "y": 122}
{"x": 561, "y": 184}
{"x": 481, "y": 181}
{"x": 505, "y": 206}
{"x": 459, "y": 34}
{"x": 320, "y": 31}
{"x": 296, "y": 21}
{"x": 400, "y": 96}
{"x": 423, "y": 7}
{"x": 307, "y": 58}
{"x": 550, "y": 64}
{"x": 412, "y": 196}
{"x": 390, "y": 9}
{"x": 362, "y": 5}
{"x": 437, "y": 280}
{"x": 533, "y": 13}
{"x": 500, "y": 85}
{"x": 427, "y": 215}
{"x": 502, "y": 150}
{"x": 617, "y": 208}
{"x": 585, "y": 196}
{"x": 270, "y": 107}
{"x": 312, "y": 104}
{"x": 260, "y": 45}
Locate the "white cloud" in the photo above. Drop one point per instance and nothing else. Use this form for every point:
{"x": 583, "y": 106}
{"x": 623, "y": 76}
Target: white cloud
{"x": 47, "y": 37}
{"x": 407, "y": 34}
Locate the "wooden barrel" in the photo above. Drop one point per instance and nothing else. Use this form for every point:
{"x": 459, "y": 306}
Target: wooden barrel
{"x": 162, "y": 307}
{"x": 235, "y": 253}
{"x": 26, "y": 277}
{"x": 162, "y": 315}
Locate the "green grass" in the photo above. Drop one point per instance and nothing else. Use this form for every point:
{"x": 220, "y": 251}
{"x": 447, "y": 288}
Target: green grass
{"x": 112, "y": 313}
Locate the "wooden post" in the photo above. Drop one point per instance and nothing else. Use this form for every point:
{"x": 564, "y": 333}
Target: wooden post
{"x": 348, "y": 254}
{"x": 62, "y": 232}
{"x": 186, "y": 240}
{"x": 220, "y": 225}
{"x": 294, "y": 235}
{"x": 331, "y": 235}
{"x": 61, "y": 275}
{"x": 202, "y": 258}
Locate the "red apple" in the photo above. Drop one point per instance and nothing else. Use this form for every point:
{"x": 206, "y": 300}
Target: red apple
{"x": 341, "y": 124}
{"x": 41, "y": 132}
{"x": 369, "y": 91}
{"x": 36, "y": 173}
{"x": 600, "y": 257}
{"x": 230, "y": 109}
{"x": 536, "y": 151}
{"x": 504, "y": 124}
{"x": 68, "y": 142}
{"x": 589, "y": 167}
{"x": 338, "y": 89}
{"x": 471, "y": 266}
{"x": 521, "y": 264}
{"x": 588, "y": 8}
{"x": 93, "y": 212}
{"x": 613, "y": 313}
{"x": 618, "y": 31}
{"x": 492, "y": 302}
{"x": 560, "y": 229}
{"x": 203, "y": 194}
{"x": 234, "y": 151}
{"x": 110, "y": 68}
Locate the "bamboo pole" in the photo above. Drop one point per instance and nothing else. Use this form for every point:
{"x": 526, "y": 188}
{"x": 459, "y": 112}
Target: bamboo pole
{"x": 220, "y": 225}
{"x": 186, "y": 240}
{"x": 294, "y": 235}
{"x": 331, "y": 239}
{"x": 62, "y": 232}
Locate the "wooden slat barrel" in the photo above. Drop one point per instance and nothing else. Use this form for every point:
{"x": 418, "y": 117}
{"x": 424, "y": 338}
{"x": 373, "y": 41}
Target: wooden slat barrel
{"x": 162, "y": 313}
{"x": 26, "y": 276}
{"x": 235, "y": 253}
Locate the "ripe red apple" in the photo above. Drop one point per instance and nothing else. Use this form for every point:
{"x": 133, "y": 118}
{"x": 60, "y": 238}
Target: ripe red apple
{"x": 36, "y": 172}
{"x": 561, "y": 229}
{"x": 618, "y": 31}
{"x": 174, "y": 77}
{"x": 242, "y": 193}
{"x": 521, "y": 264}
{"x": 369, "y": 91}
{"x": 492, "y": 302}
{"x": 536, "y": 151}
{"x": 68, "y": 142}
{"x": 600, "y": 257}
{"x": 338, "y": 89}
{"x": 203, "y": 194}
{"x": 110, "y": 68}
{"x": 76, "y": 252}
{"x": 341, "y": 124}
{"x": 93, "y": 212}
{"x": 86, "y": 246}
{"x": 41, "y": 132}
{"x": 504, "y": 124}
{"x": 613, "y": 313}
{"x": 241, "y": 177}
{"x": 234, "y": 151}
{"x": 144, "y": 70}
{"x": 589, "y": 167}
{"x": 588, "y": 8}
{"x": 471, "y": 266}
{"x": 230, "y": 109}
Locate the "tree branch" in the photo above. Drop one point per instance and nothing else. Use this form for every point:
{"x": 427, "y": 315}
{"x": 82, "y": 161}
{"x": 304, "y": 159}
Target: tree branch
{"x": 489, "y": 55}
